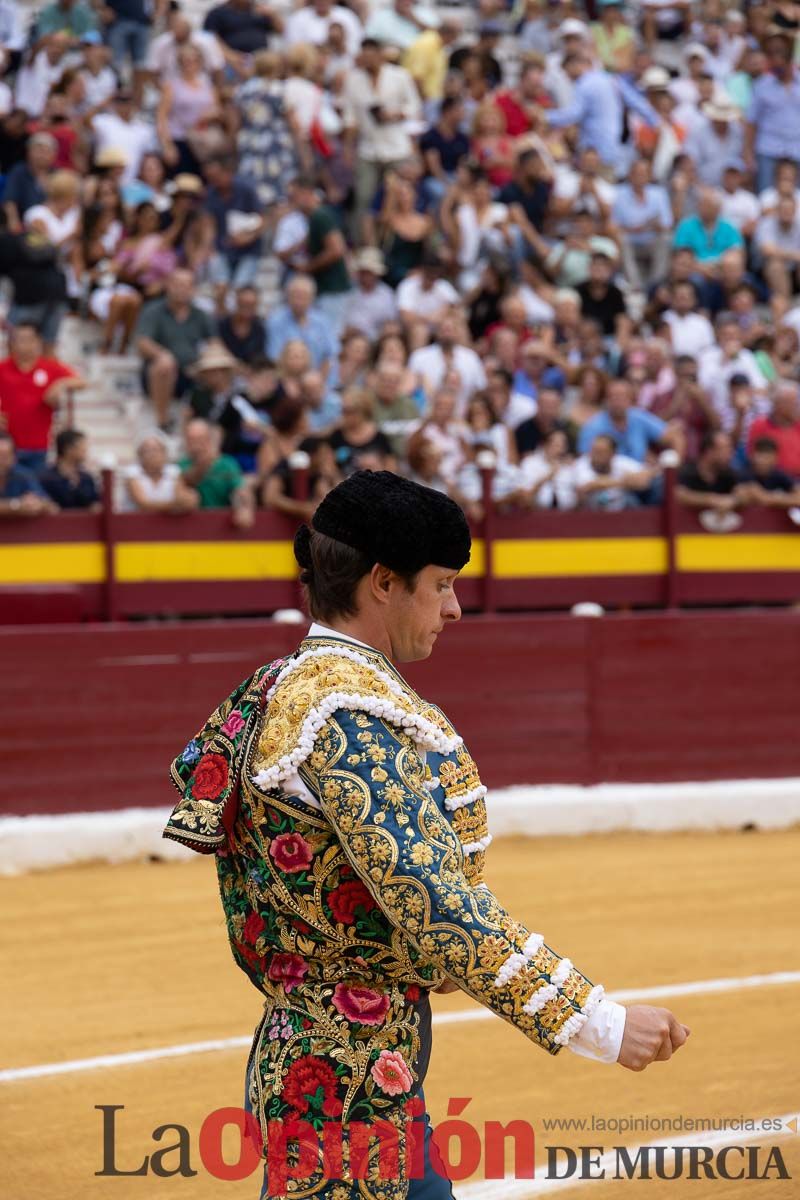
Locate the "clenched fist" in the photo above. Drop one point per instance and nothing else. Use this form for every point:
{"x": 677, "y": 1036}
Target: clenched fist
{"x": 651, "y": 1035}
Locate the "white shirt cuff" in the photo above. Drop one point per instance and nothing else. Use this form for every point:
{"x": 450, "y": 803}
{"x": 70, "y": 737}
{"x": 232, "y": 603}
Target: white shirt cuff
{"x": 601, "y": 1036}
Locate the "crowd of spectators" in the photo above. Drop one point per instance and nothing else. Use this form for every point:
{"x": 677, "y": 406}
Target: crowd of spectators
{"x": 565, "y": 233}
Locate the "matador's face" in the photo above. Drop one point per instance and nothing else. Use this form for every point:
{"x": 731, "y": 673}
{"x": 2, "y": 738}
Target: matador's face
{"x": 416, "y": 618}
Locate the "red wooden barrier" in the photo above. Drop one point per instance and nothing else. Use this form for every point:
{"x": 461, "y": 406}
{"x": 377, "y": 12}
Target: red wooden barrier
{"x": 91, "y": 716}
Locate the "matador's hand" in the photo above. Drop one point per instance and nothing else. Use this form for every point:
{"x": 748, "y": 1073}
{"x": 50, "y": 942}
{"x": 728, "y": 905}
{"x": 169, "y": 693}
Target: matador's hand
{"x": 651, "y": 1035}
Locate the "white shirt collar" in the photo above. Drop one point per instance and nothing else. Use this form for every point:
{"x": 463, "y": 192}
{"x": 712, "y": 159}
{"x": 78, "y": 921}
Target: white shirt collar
{"x": 323, "y": 631}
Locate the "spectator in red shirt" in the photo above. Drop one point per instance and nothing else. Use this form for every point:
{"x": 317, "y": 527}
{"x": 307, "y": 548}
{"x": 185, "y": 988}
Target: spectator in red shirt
{"x": 783, "y": 426}
{"x": 31, "y": 389}
{"x": 520, "y": 105}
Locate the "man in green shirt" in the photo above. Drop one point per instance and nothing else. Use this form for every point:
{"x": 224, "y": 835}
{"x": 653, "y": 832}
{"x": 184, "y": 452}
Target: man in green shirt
{"x": 170, "y": 332}
{"x": 217, "y": 478}
{"x": 66, "y": 16}
{"x": 396, "y": 412}
{"x": 327, "y": 252}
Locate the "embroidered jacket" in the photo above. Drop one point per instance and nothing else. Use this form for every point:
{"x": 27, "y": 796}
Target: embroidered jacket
{"x": 351, "y": 876}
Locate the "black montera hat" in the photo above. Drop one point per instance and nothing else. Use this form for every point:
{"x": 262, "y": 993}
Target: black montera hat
{"x": 392, "y": 521}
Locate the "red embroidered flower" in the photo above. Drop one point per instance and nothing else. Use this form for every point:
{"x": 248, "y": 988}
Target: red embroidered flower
{"x": 412, "y": 993}
{"x": 234, "y": 724}
{"x": 288, "y": 969}
{"x": 253, "y": 926}
{"x": 210, "y": 777}
{"x": 249, "y": 955}
{"x": 290, "y": 852}
{"x": 360, "y": 1005}
{"x": 346, "y": 898}
{"x": 303, "y": 1080}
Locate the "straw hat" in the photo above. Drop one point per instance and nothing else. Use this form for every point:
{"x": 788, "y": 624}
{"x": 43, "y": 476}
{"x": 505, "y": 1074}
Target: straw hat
{"x": 370, "y": 259}
{"x": 112, "y": 156}
{"x": 184, "y": 182}
{"x": 214, "y": 357}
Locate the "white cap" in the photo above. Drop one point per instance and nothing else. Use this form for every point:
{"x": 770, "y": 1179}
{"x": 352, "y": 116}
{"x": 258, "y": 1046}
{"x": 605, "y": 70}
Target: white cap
{"x": 572, "y": 27}
{"x": 655, "y": 79}
{"x": 695, "y": 50}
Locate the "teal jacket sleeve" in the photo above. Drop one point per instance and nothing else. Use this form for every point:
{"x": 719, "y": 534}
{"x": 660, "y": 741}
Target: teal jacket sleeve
{"x": 370, "y": 780}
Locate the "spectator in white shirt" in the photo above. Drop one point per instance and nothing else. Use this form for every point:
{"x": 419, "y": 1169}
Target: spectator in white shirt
{"x": 608, "y": 481}
{"x": 424, "y": 296}
{"x": 37, "y": 77}
{"x": 546, "y": 477}
{"x": 121, "y": 129}
{"x": 718, "y": 365}
{"x": 739, "y": 206}
{"x": 99, "y": 79}
{"x": 778, "y": 241}
{"x": 372, "y": 302}
{"x": 432, "y": 363}
{"x": 586, "y": 185}
{"x": 690, "y": 331}
{"x": 310, "y": 25}
{"x": 154, "y": 484}
{"x": 379, "y": 100}
{"x": 785, "y": 184}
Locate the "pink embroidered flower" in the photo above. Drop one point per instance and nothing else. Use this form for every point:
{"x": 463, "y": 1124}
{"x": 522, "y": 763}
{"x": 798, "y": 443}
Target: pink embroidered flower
{"x": 288, "y": 969}
{"x": 391, "y": 1073}
{"x": 234, "y": 724}
{"x": 360, "y": 1005}
{"x": 290, "y": 852}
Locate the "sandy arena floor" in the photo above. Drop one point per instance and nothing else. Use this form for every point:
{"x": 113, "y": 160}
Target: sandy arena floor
{"x": 106, "y": 960}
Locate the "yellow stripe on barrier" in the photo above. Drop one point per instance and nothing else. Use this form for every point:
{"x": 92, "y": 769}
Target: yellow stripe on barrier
{"x": 52, "y": 562}
{"x": 477, "y": 560}
{"x": 161, "y": 562}
{"x": 555, "y": 557}
{"x": 738, "y": 552}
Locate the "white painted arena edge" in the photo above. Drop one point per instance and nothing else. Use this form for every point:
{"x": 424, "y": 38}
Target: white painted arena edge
{"x": 696, "y": 987}
{"x": 39, "y": 842}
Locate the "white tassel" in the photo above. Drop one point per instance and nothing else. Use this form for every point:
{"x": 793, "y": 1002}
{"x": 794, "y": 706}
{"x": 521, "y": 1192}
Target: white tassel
{"x": 454, "y": 802}
{"x": 559, "y": 976}
{"x": 577, "y": 1021}
{"x": 539, "y": 999}
{"x": 474, "y": 847}
{"x": 423, "y": 732}
{"x": 516, "y": 961}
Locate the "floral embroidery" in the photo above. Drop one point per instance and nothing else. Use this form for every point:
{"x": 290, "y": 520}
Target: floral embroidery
{"x": 360, "y": 1005}
{"x": 342, "y": 914}
{"x": 312, "y": 1081}
{"x": 345, "y": 899}
{"x": 210, "y": 777}
{"x": 192, "y": 752}
{"x": 288, "y": 969}
{"x": 391, "y": 1073}
{"x": 234, "y": 724}
{"x": 290, "y": 852}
